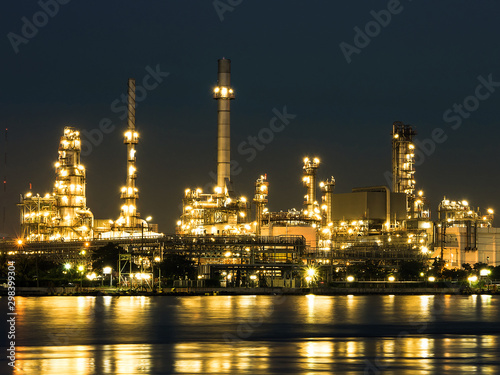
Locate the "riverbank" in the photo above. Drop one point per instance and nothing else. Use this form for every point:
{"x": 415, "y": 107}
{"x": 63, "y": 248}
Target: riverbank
{"x": 76, "y": 291}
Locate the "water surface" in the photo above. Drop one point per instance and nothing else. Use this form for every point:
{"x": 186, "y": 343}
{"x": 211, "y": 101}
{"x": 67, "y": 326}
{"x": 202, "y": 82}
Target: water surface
{"x": 257, "y": 335}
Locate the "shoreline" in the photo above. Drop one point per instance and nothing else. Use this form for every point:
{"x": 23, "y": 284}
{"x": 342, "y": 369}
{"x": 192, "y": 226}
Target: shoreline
{"x": 75, "y": 291}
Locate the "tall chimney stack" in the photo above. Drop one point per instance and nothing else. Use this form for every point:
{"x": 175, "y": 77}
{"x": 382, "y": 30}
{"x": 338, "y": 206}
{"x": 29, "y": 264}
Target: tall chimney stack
{"x": 129, "y": 192}
{"x": 223, "y": 93}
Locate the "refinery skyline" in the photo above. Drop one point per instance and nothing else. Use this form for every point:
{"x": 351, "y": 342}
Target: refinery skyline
{"x": 296, "y": 96}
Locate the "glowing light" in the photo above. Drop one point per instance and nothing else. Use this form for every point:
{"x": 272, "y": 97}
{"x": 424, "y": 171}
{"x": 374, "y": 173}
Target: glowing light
{"x": 80, "y": 268}
{"x": 431, "y": 279}
{"x": 131, "y": 170}
{"x": 106, "y": 270}
{"x": 350, "y": 278}
{"x": 216, "y": 90}
{"x": 490, "y": 211}
{"x": 484, "y": 272}
{"x": 227, "y": 254}
{"x": 218, "y": 190}
{"x": 391, "y": 279}
{"x": 472, "y": 279}
{"x": 316, "y": 161}
{"x": 223, "y": 91}
{"x": 311, "y": 272}
{"x": 20, "y": 242}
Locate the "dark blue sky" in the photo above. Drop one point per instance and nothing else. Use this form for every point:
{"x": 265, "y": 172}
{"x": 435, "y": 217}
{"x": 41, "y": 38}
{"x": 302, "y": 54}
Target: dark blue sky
{"x": 284, "y": 53}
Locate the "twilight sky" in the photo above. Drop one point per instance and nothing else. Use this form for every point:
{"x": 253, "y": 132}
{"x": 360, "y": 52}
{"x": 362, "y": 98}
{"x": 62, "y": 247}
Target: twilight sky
{"x": 346, "y": 70}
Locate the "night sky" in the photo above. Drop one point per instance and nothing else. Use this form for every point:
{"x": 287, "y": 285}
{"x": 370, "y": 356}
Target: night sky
{"x": 428, "y": 57}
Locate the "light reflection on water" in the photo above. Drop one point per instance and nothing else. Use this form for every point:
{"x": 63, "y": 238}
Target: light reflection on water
{"x": 257, "y": 335}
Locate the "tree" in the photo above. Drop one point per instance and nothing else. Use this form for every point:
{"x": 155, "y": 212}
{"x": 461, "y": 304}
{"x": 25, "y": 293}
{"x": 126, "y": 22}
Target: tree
{"x": 455, "y": 274}
{"x": 411, "y": 269}
{"x": 176, "y": 266}
{"x": 467, "y": 267}
{"x": 479, "y": 266}
{"x": 495, "y": 273}
{"x": 106, "y": 256}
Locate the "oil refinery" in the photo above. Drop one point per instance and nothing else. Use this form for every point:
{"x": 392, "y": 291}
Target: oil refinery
{"x": 239, "y": 237}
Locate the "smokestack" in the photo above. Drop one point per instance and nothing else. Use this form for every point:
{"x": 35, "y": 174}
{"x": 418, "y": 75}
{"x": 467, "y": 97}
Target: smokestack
{"x": 129, "y": 192}
{"x": 223, "y": 94}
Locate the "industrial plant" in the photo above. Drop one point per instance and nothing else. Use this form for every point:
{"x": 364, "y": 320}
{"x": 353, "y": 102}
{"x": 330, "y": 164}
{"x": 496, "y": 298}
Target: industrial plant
{"x": 237, "y": 240}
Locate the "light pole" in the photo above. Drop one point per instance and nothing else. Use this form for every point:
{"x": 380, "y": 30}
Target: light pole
{"x": 146, "y": 221}
{"x": 106, "y": 271}
{"x": 253, "y": 278}
{"x": 80, "y": 269}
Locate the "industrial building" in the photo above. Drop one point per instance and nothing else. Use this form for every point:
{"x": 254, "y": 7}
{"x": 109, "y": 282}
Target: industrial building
{"x": 464, "y": 235}
{"x": 219, "y": 230}
{"x": 63, "y": 215}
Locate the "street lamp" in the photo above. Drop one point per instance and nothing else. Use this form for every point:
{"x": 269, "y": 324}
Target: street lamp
{"x": 311, "y": 274}
{"x": 80, "y": 269}
{"x": 391, "y": 279}
{"x": 107, "y": 271}
{"x": 350, "y": 278}
{"x": 484, "y": 272}
{"x": 253, "y": 278}
{"x": 472, "y": 279}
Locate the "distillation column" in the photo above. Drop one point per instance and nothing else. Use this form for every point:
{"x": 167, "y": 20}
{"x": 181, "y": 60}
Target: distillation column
{"x": 223, "y": 94}
{"x": 260, "y": 199}
{"x": 327, "y": 187}
{"x": 73, "y": 218}
{"x": 403, "y": 160}
{"x": 129, "y": 193}
{"x": 309, "y": 180}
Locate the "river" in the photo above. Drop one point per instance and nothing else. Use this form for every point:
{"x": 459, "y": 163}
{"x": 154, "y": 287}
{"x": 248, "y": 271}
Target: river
{"x": 278, "y": 334}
